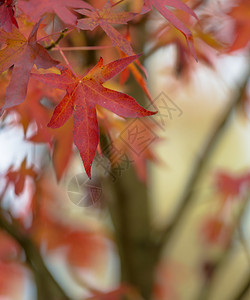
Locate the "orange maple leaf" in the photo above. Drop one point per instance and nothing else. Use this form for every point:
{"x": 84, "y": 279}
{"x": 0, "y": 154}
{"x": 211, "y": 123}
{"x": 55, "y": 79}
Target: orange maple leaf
{"x": 17, "y": 51}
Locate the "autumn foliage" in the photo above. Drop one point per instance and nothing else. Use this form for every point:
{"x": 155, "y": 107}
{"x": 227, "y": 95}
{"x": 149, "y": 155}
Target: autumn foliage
{"x": 68, "y": 70}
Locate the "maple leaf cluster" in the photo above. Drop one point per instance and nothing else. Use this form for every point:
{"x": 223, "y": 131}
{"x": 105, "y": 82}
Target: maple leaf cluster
{"x": 231, "y": 190}
{"x": 43, "y": 91}
{"x": 83, "y": 92}
{"x": 221, "y": 29}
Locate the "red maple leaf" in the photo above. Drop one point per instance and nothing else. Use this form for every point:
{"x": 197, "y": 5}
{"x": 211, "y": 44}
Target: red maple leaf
{"x": 83, "y": 248}
{"x": 230, "y": 185}
{"x": 216, "y": 231}
{"x": 167, "y": 279}
{"x": 162, "y": 7}
{"x": 36, "y": 9}
{"x": 7, "y": 15}
{"x": 104, "y": 18}
{"x": 83, "y": 94}
{"x": 18, "y": 177}
{"x": 12, "y": 283}
{"x": 20, "y": 50}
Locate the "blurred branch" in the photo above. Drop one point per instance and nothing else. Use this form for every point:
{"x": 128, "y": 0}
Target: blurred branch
{"x": 128, "y": 204}
{"x": 151, "y": 51}
{"x": 47, "y": 286}
{"x": 244, "y": 243}
{"x": 245, "y": 290}
{"x": 212, "y": 142}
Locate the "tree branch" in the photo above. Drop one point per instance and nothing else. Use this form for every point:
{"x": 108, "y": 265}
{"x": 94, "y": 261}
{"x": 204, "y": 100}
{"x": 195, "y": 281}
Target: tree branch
{"x": 54, "y": 44}
{"x": 245, "y": 290}
{"x": 212, "y": 142}
{"x": 47, "y": 286}
{"x": 207, "y": 287}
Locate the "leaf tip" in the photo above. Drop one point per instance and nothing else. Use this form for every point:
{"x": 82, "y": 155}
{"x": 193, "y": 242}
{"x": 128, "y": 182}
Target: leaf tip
{"x": 51, "y": 124}
{"x": 150, "y": 113}
{"x": 88, "y": 170}
{"x": 138, "y": 55}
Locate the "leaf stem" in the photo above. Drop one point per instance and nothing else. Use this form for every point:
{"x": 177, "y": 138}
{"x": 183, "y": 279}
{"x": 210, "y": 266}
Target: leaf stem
{"x": 83, "y": 48}
{"x": 55, "y": 33}
{"x": 65, "y": 59}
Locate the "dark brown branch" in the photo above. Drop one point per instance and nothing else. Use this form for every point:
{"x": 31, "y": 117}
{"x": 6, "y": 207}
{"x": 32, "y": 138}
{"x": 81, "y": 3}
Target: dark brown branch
{"x": 47, "y": 286}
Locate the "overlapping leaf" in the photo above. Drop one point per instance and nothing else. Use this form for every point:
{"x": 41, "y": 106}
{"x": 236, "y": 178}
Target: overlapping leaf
{"x": 206, "y": 44}
{"x": 137, "y": 70}
{"x": 12, "y": 270}
{"x": 230, "y": 185}
{"x": 83, "y": 94}
{"x": 36, "y": 9}
{"x": 121, "y": 292}
{"x": 104, "y": 18}
{"x": 218, "y": 229}
{"x": 215, "y": 230}
{"x": 23, "y": 54}
{"x": 18, "y": 177}
{"x": 7, "y": 15}
{"x": 32, "y": 111}
{"x": 83, "y": 248}
{"x": 161, "y": 6}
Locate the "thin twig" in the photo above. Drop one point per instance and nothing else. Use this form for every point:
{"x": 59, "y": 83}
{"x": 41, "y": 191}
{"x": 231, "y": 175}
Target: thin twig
{"x": 61, "y": 36}
{"x": 52, "y": 34}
